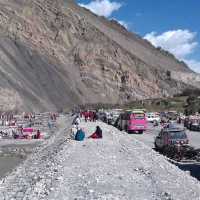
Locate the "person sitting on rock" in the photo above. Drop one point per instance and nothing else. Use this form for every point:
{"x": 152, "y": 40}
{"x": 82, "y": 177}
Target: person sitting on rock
{"x": 80, "y": 135}
{"x": 97, "y": 134}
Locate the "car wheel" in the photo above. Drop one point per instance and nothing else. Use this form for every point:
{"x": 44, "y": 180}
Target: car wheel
{"x": 126, "y": 128}
{"x": 120, "y": 128}
{"x": 156, "y": 147}
{"x": 140, "y": 132}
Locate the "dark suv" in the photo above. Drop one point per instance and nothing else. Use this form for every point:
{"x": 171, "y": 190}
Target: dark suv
{"x": 170, "y": 137}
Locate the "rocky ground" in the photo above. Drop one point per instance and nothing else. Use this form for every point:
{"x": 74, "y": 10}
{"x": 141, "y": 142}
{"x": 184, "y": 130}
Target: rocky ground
{"x": 116, "y": 167}
{"x": 41, "y": 164}
{"x": 65, "y": 55}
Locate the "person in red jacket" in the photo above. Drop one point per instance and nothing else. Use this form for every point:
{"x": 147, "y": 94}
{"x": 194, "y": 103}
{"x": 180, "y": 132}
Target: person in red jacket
{"x": 90, "y": 115}
{"x": 97, "y": 134}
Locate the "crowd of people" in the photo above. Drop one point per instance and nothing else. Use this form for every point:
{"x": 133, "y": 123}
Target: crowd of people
{"x": 7, "y": 119}
{"x": 26, "y": 125}
{"x": 18, "y": 133}
{"x": 77, "y": 133}
{"x": 89, "y": 116}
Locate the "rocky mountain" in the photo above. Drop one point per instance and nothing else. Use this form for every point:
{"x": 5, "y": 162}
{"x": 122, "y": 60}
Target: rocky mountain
{"x": 55, "y": 54}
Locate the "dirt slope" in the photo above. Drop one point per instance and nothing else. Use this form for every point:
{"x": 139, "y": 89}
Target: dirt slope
{"x": 54, "y": 54}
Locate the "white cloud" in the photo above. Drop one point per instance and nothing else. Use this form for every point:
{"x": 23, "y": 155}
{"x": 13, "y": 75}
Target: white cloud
{"x": 181, "y": 43}
{"x": 102, "y": 7}
{"x": 194, "y": 64}
{"x": 123, "y": 23}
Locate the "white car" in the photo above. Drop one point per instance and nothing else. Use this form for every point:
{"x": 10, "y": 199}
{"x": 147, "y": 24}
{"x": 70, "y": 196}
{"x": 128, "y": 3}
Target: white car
{"x": 152, "y": 117}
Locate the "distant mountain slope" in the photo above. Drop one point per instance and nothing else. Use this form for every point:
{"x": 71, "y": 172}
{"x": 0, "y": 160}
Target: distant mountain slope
{"x": 132, "y": 42}
{"x": 55, "y": 55}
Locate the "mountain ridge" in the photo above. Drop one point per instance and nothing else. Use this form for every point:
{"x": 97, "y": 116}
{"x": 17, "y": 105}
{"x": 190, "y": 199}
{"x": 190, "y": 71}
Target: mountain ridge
{"x": 133, "y": 36}
{"x": 55, "y": 54}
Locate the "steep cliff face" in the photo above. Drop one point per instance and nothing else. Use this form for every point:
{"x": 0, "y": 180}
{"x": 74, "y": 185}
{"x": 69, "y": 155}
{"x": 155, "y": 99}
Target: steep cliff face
{"x": 54, "y": 54}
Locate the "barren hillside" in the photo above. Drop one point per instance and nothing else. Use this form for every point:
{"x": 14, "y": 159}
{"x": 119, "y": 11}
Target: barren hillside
{"x": 55, "y": 54}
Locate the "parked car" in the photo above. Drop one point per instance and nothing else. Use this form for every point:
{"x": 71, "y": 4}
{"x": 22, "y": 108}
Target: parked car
{"x": 102, "y": 116}
{"x": 171, "y": 136}
{"x": 153, "y": 117}
{"x": 112, "y": 120}
{"x": 192, "y": 123}
{"x": 195, "y": 126}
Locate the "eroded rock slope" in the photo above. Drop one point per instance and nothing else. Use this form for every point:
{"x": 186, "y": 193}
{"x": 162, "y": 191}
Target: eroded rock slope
{"x": 55, "y": 54}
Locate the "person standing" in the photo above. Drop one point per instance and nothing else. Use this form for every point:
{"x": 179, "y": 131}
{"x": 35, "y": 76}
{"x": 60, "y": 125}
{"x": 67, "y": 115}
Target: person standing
{"x": 74, "y": 130}
{"x": 38, "y": 135}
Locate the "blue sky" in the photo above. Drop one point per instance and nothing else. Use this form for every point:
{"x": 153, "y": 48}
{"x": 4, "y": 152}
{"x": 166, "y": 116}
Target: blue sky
{"x": 172, "y": 24}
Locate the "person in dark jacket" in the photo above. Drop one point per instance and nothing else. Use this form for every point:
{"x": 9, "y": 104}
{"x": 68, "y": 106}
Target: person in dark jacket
{"x": 97, "y": 134}
{"x": 94, "y": 116}
{"x": 38, "y": 135}
{"x": 80, "y": 135}
{"x": 86, "y": 115}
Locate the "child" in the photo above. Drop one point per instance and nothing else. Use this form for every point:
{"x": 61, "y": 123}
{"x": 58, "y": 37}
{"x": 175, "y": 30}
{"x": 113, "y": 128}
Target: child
{"x": 74, "y": 129}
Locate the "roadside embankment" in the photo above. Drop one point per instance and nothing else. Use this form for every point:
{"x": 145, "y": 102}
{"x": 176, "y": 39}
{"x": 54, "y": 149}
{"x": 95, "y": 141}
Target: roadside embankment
{"x": 119, "y": 167}
{"x": 115, "y": 167}
{"x": 14, "y": 150}
{"x": 35, "y": 177}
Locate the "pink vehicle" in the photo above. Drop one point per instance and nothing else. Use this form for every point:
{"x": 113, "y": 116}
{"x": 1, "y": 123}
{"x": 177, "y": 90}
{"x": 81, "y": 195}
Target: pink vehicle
{"x": 133, "y": 121}
{"x": 28, "y": 130}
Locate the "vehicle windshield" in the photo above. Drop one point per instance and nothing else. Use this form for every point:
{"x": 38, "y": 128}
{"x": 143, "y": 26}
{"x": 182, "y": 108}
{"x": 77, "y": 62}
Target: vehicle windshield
{"x": 138, "y": 116}
{"x": 178, "y": 135}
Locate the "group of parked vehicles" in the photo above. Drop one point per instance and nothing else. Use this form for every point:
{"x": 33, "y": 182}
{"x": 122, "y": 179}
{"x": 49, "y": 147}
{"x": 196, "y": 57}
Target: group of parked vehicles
{"x": 192, "y": 123}
{"x": 131, "y": 121}
{"x": 135, "y": 120}
{"x": 172, "y": 140}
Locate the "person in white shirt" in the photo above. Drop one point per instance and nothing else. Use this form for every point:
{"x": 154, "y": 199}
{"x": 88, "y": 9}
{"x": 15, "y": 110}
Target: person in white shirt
{"x": 74, "y": 129}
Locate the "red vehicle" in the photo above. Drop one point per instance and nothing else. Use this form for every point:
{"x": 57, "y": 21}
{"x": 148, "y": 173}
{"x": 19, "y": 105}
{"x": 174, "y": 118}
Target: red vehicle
{"x": 133, "y": 121}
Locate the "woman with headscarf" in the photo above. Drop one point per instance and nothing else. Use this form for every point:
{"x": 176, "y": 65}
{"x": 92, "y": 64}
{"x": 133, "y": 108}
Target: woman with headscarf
{"x": 80, "y": 135}
{"x": 97, "y": 134}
